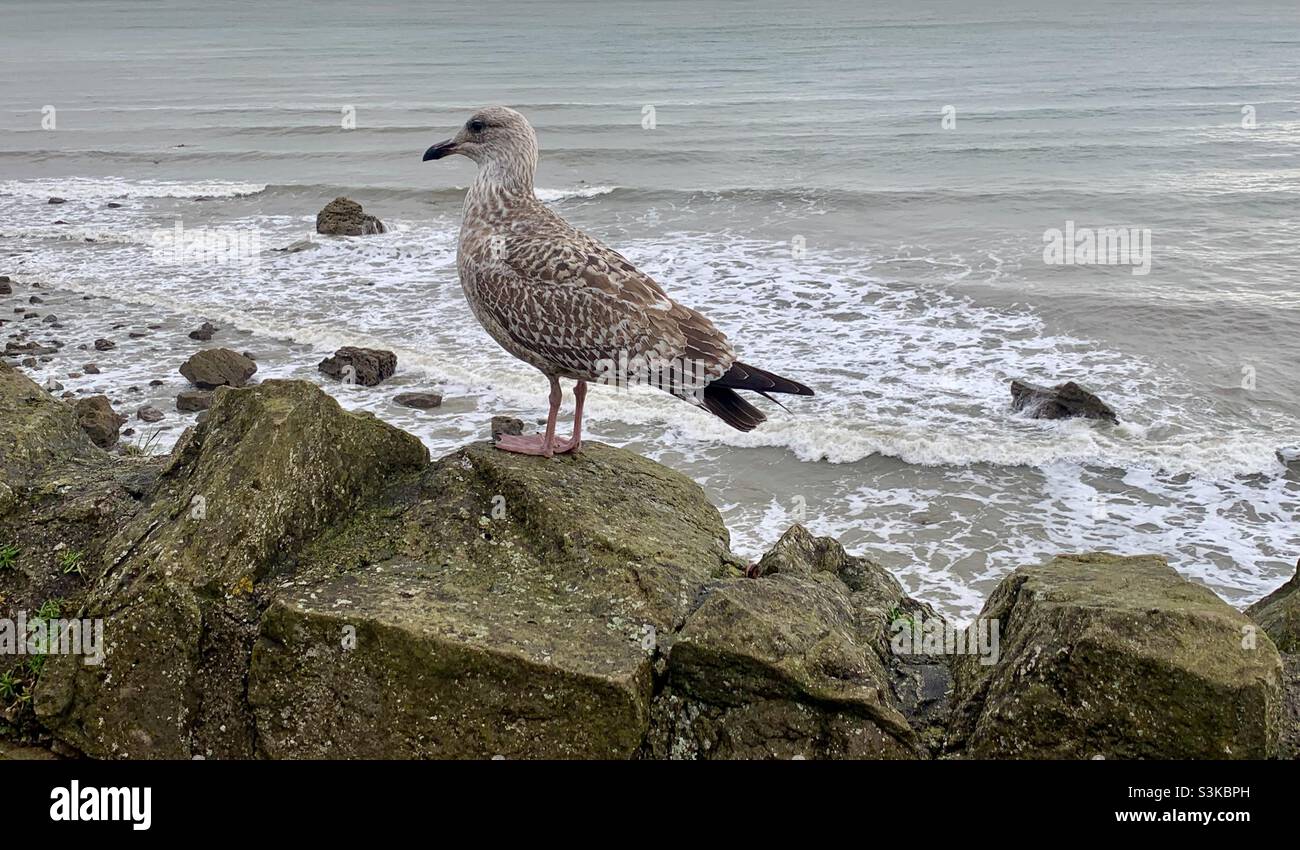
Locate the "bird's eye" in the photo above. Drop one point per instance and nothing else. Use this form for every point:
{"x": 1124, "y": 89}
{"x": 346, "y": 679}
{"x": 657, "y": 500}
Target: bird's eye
{"x": 477, "y": 126}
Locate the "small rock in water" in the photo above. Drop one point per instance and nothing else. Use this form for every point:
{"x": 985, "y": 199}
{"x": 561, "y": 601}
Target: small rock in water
{"x": 112, "y": 205}
{"x": 364, "y": 366}
{"x": 1062, "y": 401}
{"x": 155, "y": 383}
{"x": 218, "y": 367}
{"x": 51, "y": 319}
{"x": 204, "y": 332}
{"x": 299, "y": 246}
{"x": 35, "y": 299}
{"x": 105, "y": 345}
{"x": 137, "y": 334}
{"x": 57, "y": 200}
{"x": 344, "y": 217}
{"x": 90, "y": 369}
{"x": 420, "y": 401}
{"x": 149, "y": 413}
{"x": 506, "y": 425}
{"x": 6, "y": 288}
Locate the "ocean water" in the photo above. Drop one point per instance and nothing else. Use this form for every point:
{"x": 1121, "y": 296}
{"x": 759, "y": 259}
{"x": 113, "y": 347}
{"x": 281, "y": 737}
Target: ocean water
{"x": 857, "y": 196}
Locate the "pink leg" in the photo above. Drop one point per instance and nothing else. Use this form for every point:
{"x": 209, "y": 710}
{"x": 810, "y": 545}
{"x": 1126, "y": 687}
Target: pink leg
{"x": 575, "y": 442}
{"x": 536, "y": 444}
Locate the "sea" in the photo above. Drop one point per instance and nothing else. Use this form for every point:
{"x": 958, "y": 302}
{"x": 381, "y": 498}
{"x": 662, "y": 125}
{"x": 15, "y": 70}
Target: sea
{"x": 888, "y": 201}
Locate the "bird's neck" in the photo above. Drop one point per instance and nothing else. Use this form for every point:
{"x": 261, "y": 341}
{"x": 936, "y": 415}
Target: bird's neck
{"x": 502, "y": 182}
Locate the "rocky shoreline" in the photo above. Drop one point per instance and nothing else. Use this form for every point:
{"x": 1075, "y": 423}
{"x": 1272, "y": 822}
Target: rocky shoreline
{"x": 297, "y": 581}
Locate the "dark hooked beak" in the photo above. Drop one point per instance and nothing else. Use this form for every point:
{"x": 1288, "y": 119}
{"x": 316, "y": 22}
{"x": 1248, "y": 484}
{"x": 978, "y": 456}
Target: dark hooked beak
{"x": 440, "y": 150}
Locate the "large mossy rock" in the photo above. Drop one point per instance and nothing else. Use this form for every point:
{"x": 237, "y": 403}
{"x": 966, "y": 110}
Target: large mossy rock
{"x": 1117, "y": 657}
{"x": 793, "y": 663}
{"x": 37, "y": 431}
{"x": 1279, "y": 614}
{"x": 60, "y": 496}
{"x": 178, "y": 586}
{"x": 509, "y": 606}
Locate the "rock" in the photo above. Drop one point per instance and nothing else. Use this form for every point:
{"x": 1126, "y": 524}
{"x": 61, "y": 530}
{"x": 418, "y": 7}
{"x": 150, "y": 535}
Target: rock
{"x": 218, "y": 367}
{"x": 795, "y": 663}
{"x": 204, "y": 332}
{"x": 113, "y": 205}
{"x": 1062, "y": 401}
{"x": 1279, "y": 614}
{"x": 57, "y": 200}
{"x": 6, "y": 288}
{"x": 364, "y": 366}
{"x": 601, "y": 549}
{"x": 193, "y": 400}
{"x": 271, "y": 469}
{"x": 1117, "y": 657}
{"x": 105, "y": 345}
{"x": 90, "y": 369}
{"x": 36, "y": 431}
{"x": 95, "y": 416}
{"x": 15, "y": 349}
{"x": 506, "y": 425}
{"x": 35, "y": 299}
{"x": 420, "y": 401}
{"x": 300, "y": 245}
{"x": 344, "y": 217}
{"x": 149, "y": 413}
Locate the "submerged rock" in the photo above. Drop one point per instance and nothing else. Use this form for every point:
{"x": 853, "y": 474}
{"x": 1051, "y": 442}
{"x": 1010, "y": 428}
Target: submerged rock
{"x": 1062, "y": 401}
{"x": 218, "y": 367}
{"x": 364, "y": 366}
{"x": 1119, "y": 657}
{"x": 344, "y": 217}
{"x": 420, "y": 401}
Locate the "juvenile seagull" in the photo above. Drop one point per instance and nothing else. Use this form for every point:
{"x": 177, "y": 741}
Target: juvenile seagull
{"x": 573, "y": 307}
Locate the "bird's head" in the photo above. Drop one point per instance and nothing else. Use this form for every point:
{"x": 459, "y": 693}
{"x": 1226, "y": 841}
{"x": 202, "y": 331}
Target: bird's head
{"x": 499, "y": 139}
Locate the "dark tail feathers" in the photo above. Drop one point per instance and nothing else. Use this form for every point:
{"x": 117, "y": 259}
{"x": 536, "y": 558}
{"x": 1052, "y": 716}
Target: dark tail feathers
{"x": 722, "y": 400}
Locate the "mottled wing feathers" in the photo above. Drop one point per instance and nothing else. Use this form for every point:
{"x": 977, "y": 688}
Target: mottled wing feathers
{"x": 576, "y": 303}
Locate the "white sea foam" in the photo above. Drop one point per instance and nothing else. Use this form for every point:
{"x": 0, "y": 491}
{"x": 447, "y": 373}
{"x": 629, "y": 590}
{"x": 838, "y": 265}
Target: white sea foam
{"x": 76, "y": 189}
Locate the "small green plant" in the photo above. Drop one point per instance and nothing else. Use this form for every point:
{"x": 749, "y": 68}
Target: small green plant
{"x": 11, "y": 686}
{"x": 144, "y": 444}
{"x": 71, "y": 562}
{"x": 49, "y": 609}
{"x": 897, "y": 613}
{"x": 8, "y": 556}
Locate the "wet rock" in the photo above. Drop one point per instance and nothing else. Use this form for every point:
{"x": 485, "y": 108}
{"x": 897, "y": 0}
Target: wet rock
{"x": 90, "y": 369}
{"x": 35, "y": 299}
{"x": 419, "y": 401}
{"x": 105, "y": 345}
{"x": 1062, "y": 401}
{"x": 191, "y": 401}
{"x": 506, "y": 425}
{"x": 57, "y": 200}
{"x": 300, "y": 246}
{"x": 149, "y": 413}
{"x": 204, "y": 332}
{"x": 796, "y": 663}
{"x": 36, "y": 431}
{"x": 1118, "y": 657}
{"x": 1279, "y": 614}
{"x": 364, "y": 366}
{"x": 563, "y": 647}
{"x": 51, "y": 319}
{"x": 272, "y": 468}
{"x": 344, "y": 217}
{"x": 218, "y": 367}
{"x": 6, "y": 288}
{"x": 96, "y": 417}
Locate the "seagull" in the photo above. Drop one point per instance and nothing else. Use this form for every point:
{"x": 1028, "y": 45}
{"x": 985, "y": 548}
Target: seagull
{"x": 571, "y": 306}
